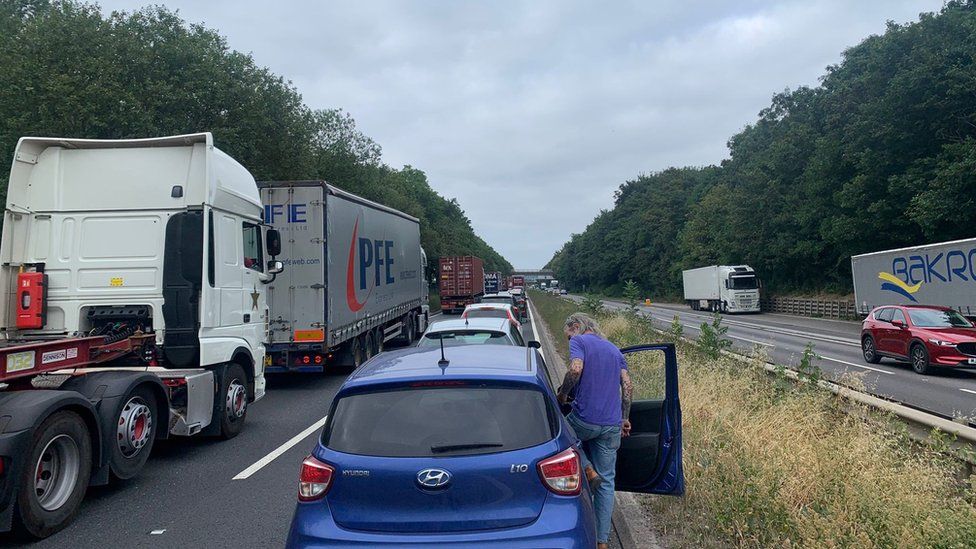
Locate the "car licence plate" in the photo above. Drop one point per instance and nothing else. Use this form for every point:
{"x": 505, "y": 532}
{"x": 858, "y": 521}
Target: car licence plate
{"x": 971, "y": 361}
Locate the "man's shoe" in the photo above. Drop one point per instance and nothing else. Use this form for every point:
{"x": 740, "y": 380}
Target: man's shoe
{"x": 593, "y": 478}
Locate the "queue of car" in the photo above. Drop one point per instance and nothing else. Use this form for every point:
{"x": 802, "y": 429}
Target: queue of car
{"x": 460, "y": 441}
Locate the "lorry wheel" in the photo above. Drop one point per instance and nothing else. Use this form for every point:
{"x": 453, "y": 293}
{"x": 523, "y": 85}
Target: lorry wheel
{"x": 920, "y": 359}
{"x": 411, "y": 328}
{"x": 869, "y": 350}
{"x": 358, "y": 351}
{"x": 135, "y": 433}
{"x": 55, "y": 477}
{"x": 233, "y": 412}
{"x": 370, "y": 344}
{"x": 378, "y": 337}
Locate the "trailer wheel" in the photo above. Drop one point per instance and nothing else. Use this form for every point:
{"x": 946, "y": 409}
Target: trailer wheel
{"x": 378, "y": 336}
{"x": 357, "y": 351}
{"x": 56, "y": 475}
{"x": 411, "y": 328}
{"x": 135, "y": 432}
{"x": 234, "y": 395}
{"x": 370, "y": 344}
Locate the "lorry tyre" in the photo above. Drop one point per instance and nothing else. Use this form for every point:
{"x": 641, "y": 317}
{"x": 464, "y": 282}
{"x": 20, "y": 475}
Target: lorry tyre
{"x": 378, "y": 336}
{"x": 869, "y": 350}
{"x": 135, "y": 432}
{"x": 233, "y": 406}
{"x": 55, "y": 477}
{"x": 369, "y": 341}
{"x": 920, "y": 359}
{"x": 411, "y": 328}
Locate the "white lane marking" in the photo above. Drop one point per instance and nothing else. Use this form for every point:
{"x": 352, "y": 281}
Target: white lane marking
{"x": 535, "y": 333}
{"x": 969, "y": 391}
{"x": 276, "y": 453}
{"x": 858, "y": 365}
{"x": 157, "y": 532}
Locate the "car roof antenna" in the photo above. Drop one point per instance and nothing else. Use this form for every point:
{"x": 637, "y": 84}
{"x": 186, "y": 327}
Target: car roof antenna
{"x": 443, "y": 362}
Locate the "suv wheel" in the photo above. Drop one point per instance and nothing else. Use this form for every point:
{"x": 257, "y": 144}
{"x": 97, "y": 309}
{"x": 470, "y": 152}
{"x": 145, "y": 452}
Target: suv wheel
{"x": 920, "y": 359}
{"x": 869, "y": 350}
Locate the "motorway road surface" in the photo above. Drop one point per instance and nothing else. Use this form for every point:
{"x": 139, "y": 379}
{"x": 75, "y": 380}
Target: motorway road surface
{"x": 211, "y": 493}
{"x": 948, "y": 393}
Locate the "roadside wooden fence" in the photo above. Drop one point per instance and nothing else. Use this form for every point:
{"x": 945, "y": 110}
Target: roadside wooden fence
{"x": 846, "y": 310}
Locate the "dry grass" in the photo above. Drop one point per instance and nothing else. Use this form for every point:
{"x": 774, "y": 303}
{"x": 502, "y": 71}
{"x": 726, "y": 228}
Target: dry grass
{"x": 769, "y": 463}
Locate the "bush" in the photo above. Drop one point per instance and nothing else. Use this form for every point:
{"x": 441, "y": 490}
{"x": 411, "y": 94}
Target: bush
{"x": 711, "y": 340}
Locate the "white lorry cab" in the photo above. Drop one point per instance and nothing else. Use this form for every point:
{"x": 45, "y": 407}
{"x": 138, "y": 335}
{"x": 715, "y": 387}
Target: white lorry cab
{"x": 724, "y": 288}
{"x": 133, "y": 275}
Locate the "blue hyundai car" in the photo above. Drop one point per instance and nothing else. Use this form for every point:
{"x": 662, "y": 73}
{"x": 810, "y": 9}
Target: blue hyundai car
{"x": 469, "y": 450}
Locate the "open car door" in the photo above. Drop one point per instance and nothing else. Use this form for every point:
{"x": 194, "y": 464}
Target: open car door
{"x": 649, "y": 460}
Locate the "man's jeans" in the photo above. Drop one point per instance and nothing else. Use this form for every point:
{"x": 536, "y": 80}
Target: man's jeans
{"x": 600, "y": 444}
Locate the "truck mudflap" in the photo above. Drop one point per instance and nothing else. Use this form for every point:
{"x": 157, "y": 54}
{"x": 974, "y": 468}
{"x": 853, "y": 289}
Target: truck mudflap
{"x": 21, "y": 413}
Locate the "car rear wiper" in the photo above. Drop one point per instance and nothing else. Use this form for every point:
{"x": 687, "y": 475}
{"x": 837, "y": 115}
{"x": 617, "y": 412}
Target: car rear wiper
{"x": 458, "y": 447}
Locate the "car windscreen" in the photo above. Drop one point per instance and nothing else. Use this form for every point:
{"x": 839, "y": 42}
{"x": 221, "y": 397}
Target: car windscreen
{"x": 486, "y": 313}
{"x": 743, "y": 283}
{"x": 464, "y": 337}
{"x": 927, "y": 318}
{"x": 439, "y": 421}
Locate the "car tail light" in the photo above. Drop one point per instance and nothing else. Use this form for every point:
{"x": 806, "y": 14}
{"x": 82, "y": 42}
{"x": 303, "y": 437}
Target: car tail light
{"x": 561, "y": 473}
{"x": 314, "y": 480}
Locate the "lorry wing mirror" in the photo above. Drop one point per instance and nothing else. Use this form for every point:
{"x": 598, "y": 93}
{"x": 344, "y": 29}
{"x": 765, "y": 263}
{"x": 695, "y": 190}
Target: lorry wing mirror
{"x": 275, "y": 267}
{"x": 273, "y": 241}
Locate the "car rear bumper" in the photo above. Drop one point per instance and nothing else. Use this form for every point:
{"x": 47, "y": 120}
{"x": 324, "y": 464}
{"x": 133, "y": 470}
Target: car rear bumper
{"x": 565, "y": 522}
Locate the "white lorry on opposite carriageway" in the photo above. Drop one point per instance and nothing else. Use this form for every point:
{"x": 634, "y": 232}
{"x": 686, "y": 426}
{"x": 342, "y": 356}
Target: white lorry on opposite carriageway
{"x": 133, "y": 307}
{"x": 724, "y": 288}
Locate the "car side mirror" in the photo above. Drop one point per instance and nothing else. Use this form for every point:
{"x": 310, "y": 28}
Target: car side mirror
{"x": 534, "y": 344}
{"x": 898, "y": 323}
{"x": 273, "y": 242}
{"x": 275, "y": 267}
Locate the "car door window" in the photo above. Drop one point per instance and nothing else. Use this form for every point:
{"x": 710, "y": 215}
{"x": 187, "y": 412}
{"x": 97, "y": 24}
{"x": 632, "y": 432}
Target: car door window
{"x": 896, "y": 314}
{"x": 884, "y": 315}
{"x": 252, "y": 248}
{"x": 649, "y": 460}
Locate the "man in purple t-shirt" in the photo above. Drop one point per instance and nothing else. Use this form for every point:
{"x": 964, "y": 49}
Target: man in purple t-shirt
{"x": 599, "y": 379}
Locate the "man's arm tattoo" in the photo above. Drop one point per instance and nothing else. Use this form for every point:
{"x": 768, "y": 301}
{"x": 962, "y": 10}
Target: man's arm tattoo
{"x": 573, "y": 375}
{"x": 626, "y": 393}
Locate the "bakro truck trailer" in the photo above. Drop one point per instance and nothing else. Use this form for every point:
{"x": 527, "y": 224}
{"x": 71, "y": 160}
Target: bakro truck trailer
{"x": 133, "y": 307}
{"x": 354, "y": 277}
{"x": 934, "y": 274}
{"x": 461, "y": 283}
{"x": 725, "y": 288}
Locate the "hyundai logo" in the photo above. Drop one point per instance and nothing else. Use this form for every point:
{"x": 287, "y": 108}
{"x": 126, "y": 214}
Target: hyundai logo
{"x": 433, "y": 478}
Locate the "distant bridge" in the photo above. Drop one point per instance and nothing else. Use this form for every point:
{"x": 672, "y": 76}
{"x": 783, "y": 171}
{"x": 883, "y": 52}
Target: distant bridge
{"x": 534, "y": 276}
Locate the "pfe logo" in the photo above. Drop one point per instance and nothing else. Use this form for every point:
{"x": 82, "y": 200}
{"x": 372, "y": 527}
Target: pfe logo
{"x": 375, "y": 254}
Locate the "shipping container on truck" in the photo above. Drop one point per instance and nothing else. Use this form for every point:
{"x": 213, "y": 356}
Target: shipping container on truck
{"x": 133, "y": 280}
{"x": 493, "y": 282}
{"x": 725, "y": 288}
{"x": 462, "y": 282}
{"x": 353, "y": 281}
{"x": 941, "y": 274}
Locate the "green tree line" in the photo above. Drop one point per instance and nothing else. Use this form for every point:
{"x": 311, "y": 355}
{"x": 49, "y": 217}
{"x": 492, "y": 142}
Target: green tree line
{"x": 880, "y": 155}
{"x": 67, "y": 69}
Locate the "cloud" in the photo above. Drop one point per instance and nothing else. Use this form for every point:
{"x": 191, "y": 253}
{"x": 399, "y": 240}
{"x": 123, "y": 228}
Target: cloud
{"x": 531, "y": 113}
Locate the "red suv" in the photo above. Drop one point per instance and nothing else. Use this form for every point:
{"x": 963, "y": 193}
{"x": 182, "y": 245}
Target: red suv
{"x": 926, "y": 336}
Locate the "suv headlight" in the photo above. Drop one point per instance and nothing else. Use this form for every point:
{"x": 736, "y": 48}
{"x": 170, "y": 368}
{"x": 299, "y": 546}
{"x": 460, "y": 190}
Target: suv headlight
{"x": 942, "y": 343}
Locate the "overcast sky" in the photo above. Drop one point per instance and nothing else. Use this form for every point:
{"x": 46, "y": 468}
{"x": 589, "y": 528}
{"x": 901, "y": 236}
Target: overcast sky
{"x": 531, "y": 113}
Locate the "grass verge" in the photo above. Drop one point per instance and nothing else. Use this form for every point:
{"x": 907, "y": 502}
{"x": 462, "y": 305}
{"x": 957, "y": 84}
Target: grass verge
{"x": 772, "y": 463}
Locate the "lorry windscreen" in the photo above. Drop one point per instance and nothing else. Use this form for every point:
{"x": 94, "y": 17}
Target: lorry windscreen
{"x": 743, "y": 283}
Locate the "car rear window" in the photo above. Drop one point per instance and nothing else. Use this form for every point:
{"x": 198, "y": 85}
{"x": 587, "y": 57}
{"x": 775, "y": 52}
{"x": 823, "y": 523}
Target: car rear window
{"x": 487, "y": 313}
{"x": 464, "y": 337}
{"x": 439, "y": 421}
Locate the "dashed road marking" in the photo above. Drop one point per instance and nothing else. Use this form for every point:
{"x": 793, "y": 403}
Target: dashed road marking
{"x": 858, "y": 365}
{"x": 276, "y": 453}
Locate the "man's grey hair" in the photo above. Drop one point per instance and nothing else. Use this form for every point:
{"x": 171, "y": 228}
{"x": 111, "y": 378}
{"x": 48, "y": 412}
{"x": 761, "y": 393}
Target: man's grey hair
{"x": 586, "y": 323}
